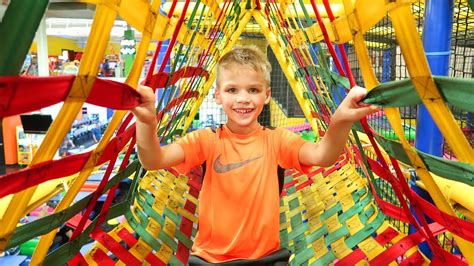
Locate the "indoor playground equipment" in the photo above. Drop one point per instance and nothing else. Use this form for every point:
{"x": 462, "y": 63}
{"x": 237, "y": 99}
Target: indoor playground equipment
{"x": 392, "y": 198}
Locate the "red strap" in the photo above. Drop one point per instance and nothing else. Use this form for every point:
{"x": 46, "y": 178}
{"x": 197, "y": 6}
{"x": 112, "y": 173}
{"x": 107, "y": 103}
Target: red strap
{"x": 53, "y": 169}
{"x": 127, "y": 237}
{"x": 175, "y": 34}
{"x": 78, "y": 259}
{"x": 358, "y": 255}
{"x": 74, "y": 221}
{"x": 103, "y": 182}
{"x": 342, "y": 51}
{"x": 115, "y": 247}
{"x": 304, "y": 184}
{"x": 415, "y": 259}
{"x": 162, "y": 79}
{"x": 326, "y": 37}
{"x": 154, "y": 260}
{"x": 101, "y": 258}
{"x": 111, "y": 195}
{"x": 403, "y": 245}
{"x": 457, "y": 226}
{"x": 461, "y": 227}
{"x": 16, "y": 92}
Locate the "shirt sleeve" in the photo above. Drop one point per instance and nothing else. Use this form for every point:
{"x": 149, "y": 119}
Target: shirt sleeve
{"x": 196, "y": 149}
{"x": 288, "y": 146}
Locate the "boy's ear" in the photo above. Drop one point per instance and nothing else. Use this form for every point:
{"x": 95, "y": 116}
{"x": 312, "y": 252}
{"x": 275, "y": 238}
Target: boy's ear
{"x": 217, "y": 95}
{"x": 268, "y": 95}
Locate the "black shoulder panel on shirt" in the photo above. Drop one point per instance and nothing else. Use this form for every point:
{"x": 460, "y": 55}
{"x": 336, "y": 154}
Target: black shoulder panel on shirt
{"x": 281, "y": 178}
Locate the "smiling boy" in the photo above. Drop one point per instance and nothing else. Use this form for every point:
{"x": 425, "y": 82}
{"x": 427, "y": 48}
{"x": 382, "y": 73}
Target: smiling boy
{"x": 239, "y": 199}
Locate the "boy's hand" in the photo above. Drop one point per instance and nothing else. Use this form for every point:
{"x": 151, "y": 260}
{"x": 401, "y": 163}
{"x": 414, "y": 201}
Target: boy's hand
{"x": 145, "y": 112}
{"x": 352, "y": 109}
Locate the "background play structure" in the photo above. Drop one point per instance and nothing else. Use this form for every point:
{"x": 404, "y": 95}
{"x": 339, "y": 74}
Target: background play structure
{"x": 399, "y": 194}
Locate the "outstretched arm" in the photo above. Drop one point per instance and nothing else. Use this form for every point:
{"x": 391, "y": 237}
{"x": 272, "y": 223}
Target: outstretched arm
{"x": 325, "y": 152}
{"x": 151, "y": 154}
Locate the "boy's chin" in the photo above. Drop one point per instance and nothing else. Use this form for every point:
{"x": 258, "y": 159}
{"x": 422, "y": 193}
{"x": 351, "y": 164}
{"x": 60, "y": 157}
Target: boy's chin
{"x": 242, "y": 124}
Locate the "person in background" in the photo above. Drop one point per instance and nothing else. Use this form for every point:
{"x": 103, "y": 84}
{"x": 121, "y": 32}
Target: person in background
{"x": 96, "y": 132}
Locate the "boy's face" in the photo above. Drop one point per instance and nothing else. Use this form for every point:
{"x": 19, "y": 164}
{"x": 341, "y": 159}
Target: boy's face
{"x": 242, "y": 92}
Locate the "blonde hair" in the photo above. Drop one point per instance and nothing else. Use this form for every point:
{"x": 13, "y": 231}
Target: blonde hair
{"x": 246, "y": 55}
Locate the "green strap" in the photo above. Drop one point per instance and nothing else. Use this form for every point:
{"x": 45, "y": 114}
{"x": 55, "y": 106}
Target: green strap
{"x": 456, "y": 91}
{"x": 357, "y": 208}
{"x": 139, "y": 227}
{"x": 326, "y": 259}
{"x": 70, "y": 249}
{"x": 336, "y": 235}
{"x": 453, "y": 170}
{"x": 320, "y": 232}
{"x": 330, "y": 212}
{"x": 18, "y": 28}
{"x": 365, "y": 232}
{"x": 51, "y": 222}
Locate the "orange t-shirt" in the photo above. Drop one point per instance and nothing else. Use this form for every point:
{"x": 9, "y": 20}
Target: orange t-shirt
{"x": 239, "y": 214}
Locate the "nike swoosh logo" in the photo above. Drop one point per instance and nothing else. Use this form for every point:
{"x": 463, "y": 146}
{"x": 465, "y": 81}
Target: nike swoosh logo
{"x": 223, "y": 168}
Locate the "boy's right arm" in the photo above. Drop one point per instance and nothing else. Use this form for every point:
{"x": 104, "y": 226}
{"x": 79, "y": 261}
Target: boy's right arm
{"x": 151, "y": 154}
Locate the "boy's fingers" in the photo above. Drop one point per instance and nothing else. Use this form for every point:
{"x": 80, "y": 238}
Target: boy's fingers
{"x": 365, "y": 111}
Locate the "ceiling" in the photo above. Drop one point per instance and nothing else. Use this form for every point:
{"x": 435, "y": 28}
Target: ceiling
{"x": 72, "y": 19}
{"x": 70, "y": 9}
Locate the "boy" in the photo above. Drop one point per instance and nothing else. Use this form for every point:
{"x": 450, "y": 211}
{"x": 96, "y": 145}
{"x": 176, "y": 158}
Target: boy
{"x": 239, "y": 199}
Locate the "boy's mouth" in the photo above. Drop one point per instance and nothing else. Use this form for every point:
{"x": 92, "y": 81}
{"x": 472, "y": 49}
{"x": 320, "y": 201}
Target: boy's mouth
{"x": 243, "y": 110}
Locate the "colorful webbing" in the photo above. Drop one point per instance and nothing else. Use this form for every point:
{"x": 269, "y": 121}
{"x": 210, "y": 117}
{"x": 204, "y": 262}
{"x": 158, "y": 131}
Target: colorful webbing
{"x": 108, "y": 171}
{"x": 296, "y": 56}
{"x": 132, "y": 79}
{"x": 401, "y": 18}
{"x": 65, "y": 252}
{"x": 348, "y": 72}
{"x": 413, "y": 221}
{"x": 79, "y": 92}
{"x": 328, "y": 215}
{"x": 201, "y": 63}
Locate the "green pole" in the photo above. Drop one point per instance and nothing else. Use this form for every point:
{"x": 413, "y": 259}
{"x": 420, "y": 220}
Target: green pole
{"x": 17, "y": 30}
{"x": 128, "y": 51}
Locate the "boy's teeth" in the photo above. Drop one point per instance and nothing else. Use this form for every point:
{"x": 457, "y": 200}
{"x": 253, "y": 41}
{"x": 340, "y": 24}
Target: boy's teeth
{"x": 243, "y": 111}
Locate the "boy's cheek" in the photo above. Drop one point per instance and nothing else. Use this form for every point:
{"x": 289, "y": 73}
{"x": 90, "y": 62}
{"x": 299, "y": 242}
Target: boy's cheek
{"x": 217, "y": 97}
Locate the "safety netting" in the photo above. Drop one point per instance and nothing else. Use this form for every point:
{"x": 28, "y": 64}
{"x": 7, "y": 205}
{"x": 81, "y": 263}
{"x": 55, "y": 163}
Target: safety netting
{"x": 363, "y": 209}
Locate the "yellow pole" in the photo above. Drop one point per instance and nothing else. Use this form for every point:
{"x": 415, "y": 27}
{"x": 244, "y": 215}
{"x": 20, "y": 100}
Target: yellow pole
{"x": 393, "y": 116}
{"x": 286, "y": 67}
{"x": 132, "y": 80}
{"x": 212, "y": 75}
{"x": 81, "y": 87}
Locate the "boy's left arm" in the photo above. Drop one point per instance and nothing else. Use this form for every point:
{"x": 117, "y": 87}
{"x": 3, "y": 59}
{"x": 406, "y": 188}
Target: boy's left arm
{"x": 325, "y": 152}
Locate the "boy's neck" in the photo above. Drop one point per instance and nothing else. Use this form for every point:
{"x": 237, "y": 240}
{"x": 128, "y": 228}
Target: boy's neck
{"x": 243, "y": 130}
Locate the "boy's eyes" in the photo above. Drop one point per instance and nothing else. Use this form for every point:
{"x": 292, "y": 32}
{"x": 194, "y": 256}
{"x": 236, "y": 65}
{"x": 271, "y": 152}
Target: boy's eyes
{"x": 235, "y": 90}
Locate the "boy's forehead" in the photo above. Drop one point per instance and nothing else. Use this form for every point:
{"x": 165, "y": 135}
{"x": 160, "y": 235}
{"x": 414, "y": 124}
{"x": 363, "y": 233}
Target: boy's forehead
{"x": 238, "y": 74}
{"x": 239, "y": 70}
{"x": 236, "y": 67}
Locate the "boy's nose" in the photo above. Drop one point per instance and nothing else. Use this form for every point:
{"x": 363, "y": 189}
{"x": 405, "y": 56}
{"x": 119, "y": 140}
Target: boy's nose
{"x": 242, "y": 97}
